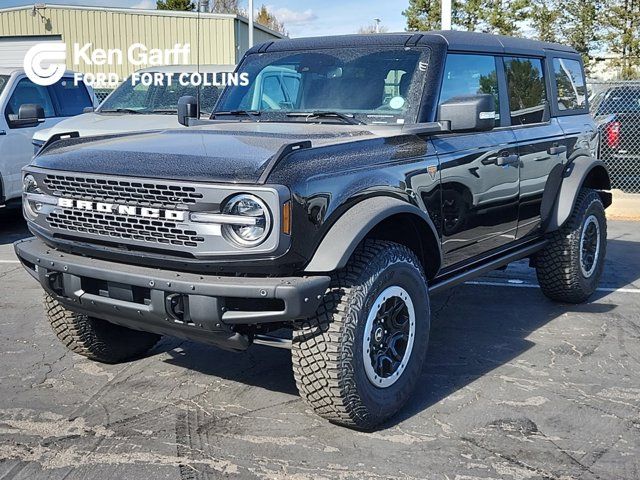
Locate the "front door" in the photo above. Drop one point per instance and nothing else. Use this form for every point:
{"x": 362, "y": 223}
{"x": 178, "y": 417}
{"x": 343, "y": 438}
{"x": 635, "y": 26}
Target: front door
{"x": 479, "y": 170}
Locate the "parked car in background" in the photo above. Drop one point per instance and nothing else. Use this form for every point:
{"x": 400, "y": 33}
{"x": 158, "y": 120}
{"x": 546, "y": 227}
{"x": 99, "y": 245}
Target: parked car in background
{"x": 617, "y": 111}
{"x": 26, "y": 109}
{"x": 140, "y": 107}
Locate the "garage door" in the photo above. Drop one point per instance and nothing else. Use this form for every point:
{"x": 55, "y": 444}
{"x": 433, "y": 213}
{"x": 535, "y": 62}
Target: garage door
{"x": 13, "y": 49}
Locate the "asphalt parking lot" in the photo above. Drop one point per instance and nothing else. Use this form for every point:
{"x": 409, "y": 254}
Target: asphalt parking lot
{"x": 515, "y": 387}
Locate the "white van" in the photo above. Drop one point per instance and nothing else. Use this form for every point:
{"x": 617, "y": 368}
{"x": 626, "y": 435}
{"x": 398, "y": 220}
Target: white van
{"x": 140, "y": 107}
{"x": 27, "y": 108}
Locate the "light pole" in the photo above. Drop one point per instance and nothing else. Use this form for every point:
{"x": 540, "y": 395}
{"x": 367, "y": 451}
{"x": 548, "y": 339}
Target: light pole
{"x": 446, "y": 15}
{"x": 250, "y": 23}
{"x": 377, "y": 20}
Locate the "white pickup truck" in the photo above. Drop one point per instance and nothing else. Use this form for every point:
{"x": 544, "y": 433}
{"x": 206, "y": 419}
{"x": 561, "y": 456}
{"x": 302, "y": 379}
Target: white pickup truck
{"x": 27, "y": 108}
{"x": 141, "y": 107}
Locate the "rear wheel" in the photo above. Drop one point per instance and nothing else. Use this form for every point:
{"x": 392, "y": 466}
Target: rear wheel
{"x": 94, "y": 338}
{"x": 357, "y": 362}
{"x": 570, "y": 266}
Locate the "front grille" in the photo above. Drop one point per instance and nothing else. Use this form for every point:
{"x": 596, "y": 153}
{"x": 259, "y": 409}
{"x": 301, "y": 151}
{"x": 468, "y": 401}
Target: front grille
{"x": 113, "y": 211}
{"x": 145, "y": 194}
{"x": 125, "y": 228}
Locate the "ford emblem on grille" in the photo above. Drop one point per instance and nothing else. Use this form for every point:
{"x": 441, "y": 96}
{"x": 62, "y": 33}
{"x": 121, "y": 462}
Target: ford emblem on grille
{"x": 128, "y": 210}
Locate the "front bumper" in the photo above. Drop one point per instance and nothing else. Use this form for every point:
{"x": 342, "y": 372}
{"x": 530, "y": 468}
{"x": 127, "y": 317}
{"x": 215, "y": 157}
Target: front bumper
{"x": 209, "y": 307}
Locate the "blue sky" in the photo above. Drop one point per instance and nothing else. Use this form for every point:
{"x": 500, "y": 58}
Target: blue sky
{"x": 301, "y": 17}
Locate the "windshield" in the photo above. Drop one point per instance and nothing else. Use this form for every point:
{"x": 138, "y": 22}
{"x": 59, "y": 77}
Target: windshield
{"x": 158, "y": 98}
{"x": 372, "y": 85}
{"x": 3, "y": 82}
{"x": 618, "y": 100}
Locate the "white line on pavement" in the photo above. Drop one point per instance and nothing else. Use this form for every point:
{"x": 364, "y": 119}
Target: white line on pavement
{"x": 9, "y": 261}
{"x": 530, "y": 285}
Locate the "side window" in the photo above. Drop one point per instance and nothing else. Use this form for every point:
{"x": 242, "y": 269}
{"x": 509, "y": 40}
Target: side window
{"x": 470, "y": 75}
{"x": 69, "y": 99}
{"x": 272, "y": 94}
{"x": 572, "y": 91}
{"x": 292, "y": 87}
{"x": 527, "y": 91}
{"x": 28, "y": 92}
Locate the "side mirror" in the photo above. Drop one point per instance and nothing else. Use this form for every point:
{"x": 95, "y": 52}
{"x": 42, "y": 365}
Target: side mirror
{"x": 29, "y": 115}
{"x": 88, "y": 110}
{"x": 187, "y": 108}
{"x": 469, "y": 113}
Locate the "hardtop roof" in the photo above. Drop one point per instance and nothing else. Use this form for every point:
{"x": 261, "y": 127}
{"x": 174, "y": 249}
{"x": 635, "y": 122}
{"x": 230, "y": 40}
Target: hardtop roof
{"x": 453, "y": 40}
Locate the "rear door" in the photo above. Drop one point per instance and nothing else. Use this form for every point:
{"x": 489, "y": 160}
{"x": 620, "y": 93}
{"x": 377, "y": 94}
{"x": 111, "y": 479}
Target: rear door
{"x": 541, "y": 141}
{"x": 479, "y": 197}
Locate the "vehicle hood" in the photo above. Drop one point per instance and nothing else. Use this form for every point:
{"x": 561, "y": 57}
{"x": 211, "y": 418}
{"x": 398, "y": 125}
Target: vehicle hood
{"x": 93, "y": 124}
{"x": 228, "y": 152}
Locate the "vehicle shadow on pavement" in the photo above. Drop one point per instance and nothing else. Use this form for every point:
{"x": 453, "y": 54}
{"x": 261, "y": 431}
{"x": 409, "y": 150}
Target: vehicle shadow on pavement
{"x": 475, "y": 329}
{"x": 263, "y": 367}
{"x": 12, "y": 226}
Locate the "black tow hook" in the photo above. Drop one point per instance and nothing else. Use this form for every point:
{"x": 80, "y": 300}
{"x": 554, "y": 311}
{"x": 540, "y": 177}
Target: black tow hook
{"x": 55, "y": 283}
{"x": 176, "y": 306}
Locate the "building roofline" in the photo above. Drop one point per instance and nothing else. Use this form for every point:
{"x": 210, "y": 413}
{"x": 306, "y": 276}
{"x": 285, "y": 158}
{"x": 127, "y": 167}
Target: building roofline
{"x": 139, "y": 11}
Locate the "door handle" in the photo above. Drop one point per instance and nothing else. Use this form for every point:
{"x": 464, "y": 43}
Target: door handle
{"x": 557, "y": 150}
{"x": 508, "y": 160}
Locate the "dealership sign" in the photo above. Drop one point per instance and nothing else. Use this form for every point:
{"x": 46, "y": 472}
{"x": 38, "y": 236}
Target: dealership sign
{"x": 45, "y": 63}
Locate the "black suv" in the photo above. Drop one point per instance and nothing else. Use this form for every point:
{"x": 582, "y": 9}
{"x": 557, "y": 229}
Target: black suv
{"x": 353, "y": 177}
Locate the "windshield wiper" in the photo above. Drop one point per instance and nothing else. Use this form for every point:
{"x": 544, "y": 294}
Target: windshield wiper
{"x": 251, "y": 114}
{"x": 349, "y": 119}
{"x": 165, "y": 110}
{"x": 124, "y": 110}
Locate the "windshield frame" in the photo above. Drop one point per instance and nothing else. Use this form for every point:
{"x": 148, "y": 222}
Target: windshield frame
{"x": 410, "y": 115}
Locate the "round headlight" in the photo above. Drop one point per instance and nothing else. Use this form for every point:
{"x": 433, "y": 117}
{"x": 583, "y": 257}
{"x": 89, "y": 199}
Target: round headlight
{"x": 30, "y": 187}
{"x": 258, "y": 224}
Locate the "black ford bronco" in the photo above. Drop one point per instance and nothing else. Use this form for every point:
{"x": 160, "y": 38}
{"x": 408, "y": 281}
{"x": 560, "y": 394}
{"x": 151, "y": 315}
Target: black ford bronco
{"x": 354, "y": 177}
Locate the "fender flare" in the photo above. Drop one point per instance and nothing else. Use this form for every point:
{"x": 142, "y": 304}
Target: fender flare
{"x": 575, "y": 174}
{"x": 352, "y": 227}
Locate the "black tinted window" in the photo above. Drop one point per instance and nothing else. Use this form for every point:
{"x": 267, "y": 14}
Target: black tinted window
{"x": 69, "y": 99}
{"x": 27, "y": 92}
{"x": 572, "y": 91}
{"x": 618, "y": 100}
{"x": 470, "y": 75}
{"x": 527, "y": 91}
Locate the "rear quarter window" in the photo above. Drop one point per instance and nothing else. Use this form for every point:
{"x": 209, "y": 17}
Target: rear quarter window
{"x": 570, "y": 85}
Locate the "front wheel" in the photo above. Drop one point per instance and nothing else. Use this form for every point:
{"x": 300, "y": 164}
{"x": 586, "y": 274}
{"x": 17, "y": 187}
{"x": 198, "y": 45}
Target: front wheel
{"x": 359, "y": 359}
{"x": 570, "y": 266}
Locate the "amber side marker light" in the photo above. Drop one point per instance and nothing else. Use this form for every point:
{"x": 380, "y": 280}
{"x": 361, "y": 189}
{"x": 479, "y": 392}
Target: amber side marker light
{"x": 286, "y": 218}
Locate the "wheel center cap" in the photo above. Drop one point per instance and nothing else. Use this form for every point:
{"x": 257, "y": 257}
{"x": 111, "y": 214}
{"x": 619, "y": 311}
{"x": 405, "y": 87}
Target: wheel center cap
{"x": 378, "y": 334}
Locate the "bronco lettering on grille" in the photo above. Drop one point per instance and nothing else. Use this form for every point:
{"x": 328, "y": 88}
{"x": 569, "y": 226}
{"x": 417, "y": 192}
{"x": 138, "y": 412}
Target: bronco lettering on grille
{"x": 122, "y": 209}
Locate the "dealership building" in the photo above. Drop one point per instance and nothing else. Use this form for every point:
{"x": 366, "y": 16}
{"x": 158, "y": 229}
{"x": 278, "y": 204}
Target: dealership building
{"x": 212, "y": 38}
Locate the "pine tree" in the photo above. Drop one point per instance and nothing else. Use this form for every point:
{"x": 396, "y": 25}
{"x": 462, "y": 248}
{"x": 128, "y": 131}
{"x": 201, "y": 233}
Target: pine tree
{"x": 544, "y": 17}
{"x": 469, "y": 14}
{"x": 622, "y": 22}
{"x": 423, "y": 15}
{"x": 580, "y": 25}
{"x": 180, "y": 5}
{"x": 503, "y": 16}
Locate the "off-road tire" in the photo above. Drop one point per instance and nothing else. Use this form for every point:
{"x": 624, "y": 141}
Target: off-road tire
{"x": 94, "y": 338}
{"x": 327, "y": 350}
{"x": 558, "y": 265}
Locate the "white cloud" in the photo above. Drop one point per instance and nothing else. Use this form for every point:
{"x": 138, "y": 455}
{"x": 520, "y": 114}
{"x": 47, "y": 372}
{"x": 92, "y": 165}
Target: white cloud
{"x": 145, "y": 5}
{"x": 292, "y": 17}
